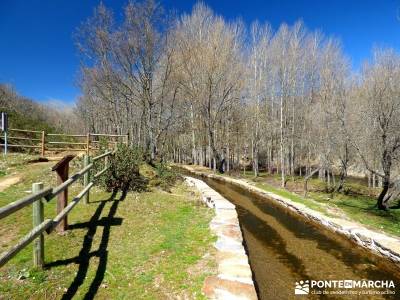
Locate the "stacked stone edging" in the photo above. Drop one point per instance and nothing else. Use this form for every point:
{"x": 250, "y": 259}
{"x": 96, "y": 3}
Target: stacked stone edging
{"x": 381, "y": 244}
{"x": 234, "y": 280}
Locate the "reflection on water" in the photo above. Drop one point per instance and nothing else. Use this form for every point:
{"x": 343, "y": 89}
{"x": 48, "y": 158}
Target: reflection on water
{"x": 284, "y": 249}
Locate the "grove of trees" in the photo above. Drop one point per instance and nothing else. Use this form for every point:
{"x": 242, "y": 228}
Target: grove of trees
{"x": 196, "y": 88}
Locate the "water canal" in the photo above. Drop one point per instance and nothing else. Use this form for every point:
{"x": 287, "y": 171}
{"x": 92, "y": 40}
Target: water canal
{"x": 284, "y": 249}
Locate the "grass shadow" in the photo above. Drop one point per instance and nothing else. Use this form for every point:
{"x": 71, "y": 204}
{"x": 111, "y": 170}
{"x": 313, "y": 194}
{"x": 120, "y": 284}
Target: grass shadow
{"x": 359, "y": 207}
{"x": 86, "y": 253}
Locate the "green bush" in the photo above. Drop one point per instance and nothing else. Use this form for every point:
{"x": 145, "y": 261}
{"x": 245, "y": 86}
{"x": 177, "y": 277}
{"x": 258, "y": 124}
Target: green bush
{"x": 123, "y": 173}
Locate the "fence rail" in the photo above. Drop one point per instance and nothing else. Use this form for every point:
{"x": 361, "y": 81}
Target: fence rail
{"x": 24, "y": 130}
{"x": 34, "y": 139}
{"x": 17, "y": 205}
{"x": 20, "y": 146}
{"x": 41, "y": 195}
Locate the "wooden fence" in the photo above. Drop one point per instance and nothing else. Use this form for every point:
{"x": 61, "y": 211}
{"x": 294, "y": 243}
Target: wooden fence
{"x": 41, "y": 195}
{"x": 42, "y": 141}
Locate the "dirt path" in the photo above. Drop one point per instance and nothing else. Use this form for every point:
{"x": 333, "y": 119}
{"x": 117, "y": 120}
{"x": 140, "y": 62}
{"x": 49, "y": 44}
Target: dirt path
{"x": 7, "y": 182}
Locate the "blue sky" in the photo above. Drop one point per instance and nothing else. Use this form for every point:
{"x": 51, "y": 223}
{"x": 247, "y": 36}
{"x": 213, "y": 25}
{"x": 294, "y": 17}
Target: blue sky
{"x": 38, "y": 57}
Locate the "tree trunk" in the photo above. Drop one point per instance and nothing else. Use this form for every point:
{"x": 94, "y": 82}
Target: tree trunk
{"x": 193, "y": 135}
{"x": 283, "y": 182}
{"x": 373, "y": 181}
{"x": 228, "y": 155}
{"x": 342, "y": 178}
{"x": 385, "y": 188}
{"x": 306, "y": 180}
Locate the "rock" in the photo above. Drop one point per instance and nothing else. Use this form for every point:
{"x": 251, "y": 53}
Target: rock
{"x": 229, "y": 245}
{"x": 229, "y": 231}
{"x": 232, "y": 271}
{"x": 21, "y": 277}
{"x": 217, "y": 288}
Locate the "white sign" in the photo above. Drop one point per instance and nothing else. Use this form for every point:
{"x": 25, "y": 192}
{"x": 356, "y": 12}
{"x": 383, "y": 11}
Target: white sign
{"x": 4, "y": 122}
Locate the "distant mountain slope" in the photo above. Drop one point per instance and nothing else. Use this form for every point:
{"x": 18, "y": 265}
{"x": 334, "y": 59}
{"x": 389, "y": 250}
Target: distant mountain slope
{"x": 27, "y": 114}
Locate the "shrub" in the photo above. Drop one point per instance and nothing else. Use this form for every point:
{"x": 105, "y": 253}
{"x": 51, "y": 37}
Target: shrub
{"x": 123, "y": 173}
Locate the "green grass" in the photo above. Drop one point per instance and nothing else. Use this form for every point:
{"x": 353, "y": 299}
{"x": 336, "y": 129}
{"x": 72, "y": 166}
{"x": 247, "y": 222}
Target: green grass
{"x": 149, "y": 246}
{"x": 260, "y": 183}
{"x": 14, "y": 162}
{"x": 292, "y": 196}
{"x": 363, "y": 210}
{"x": 16, "y": 225}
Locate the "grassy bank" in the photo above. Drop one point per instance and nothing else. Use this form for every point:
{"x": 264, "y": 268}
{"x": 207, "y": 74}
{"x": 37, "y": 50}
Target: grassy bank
{"x": 357, "y": 204}
{"x": 152, "y": 245}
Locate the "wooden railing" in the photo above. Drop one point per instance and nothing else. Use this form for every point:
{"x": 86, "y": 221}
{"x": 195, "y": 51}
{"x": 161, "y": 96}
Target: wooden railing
{"x": 42, "y": 141}
{"x": 41, "y": 195}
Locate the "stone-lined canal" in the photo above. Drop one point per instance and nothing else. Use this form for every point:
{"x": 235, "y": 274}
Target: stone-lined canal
{"x": 284, "y": 249}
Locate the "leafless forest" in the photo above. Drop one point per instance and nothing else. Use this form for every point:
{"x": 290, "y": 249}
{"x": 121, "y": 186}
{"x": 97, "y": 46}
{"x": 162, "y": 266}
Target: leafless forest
{"x": 200, "y": 89}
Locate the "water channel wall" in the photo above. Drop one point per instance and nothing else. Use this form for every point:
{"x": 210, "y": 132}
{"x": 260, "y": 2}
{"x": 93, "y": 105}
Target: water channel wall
{"x": 234, "y": 280}
{"x": 385, "y": 246}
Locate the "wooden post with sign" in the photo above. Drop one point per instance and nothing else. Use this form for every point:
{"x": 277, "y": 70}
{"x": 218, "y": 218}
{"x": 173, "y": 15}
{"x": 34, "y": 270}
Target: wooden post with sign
{"x": 62, "y": 168}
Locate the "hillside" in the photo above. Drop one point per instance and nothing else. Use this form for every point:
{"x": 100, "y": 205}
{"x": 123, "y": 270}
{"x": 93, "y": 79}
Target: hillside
{"x": 25, "y": 113}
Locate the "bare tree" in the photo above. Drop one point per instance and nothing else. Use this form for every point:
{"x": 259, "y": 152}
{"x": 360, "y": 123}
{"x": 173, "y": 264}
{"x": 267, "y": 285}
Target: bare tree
{"x": 198, "y": 89}
{"x": 210, "y": 60}
{"x": 128, "y": 72}
{"x": 377, "y": 126}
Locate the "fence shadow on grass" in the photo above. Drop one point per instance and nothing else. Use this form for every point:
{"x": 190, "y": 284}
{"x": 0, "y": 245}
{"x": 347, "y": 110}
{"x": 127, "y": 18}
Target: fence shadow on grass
{"x": 85, "y": 254}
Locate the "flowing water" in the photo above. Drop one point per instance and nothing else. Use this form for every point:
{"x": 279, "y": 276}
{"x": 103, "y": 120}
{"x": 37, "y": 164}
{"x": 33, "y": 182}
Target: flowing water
{"x": 284, "y": 249}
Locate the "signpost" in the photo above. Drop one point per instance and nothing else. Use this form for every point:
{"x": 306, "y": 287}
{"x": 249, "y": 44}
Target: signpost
{"x": 61, "y": 169}
{"x": 4, "y": 128}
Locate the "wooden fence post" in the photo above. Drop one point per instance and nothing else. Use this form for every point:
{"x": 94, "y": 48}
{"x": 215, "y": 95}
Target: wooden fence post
{"x": 87, "y": 143}
{"x": 38, "y": 218}
{"x": 62, "y": 168}
{"x": 106, "y": 162}
{"x": 43, "y": 145}
{"x": 86, "y": 178}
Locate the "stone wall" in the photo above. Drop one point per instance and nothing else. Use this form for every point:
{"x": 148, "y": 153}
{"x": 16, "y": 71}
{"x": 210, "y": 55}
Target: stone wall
{"x": 234, "y": 279}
